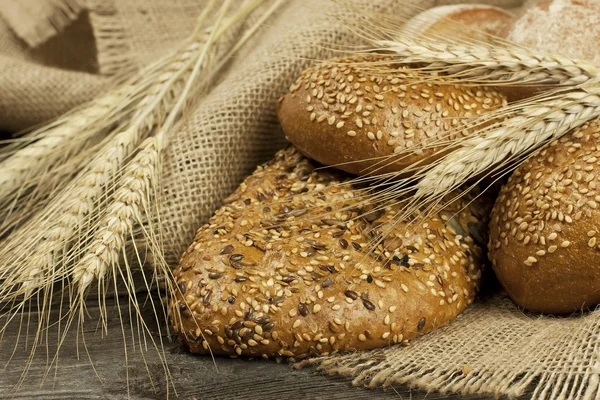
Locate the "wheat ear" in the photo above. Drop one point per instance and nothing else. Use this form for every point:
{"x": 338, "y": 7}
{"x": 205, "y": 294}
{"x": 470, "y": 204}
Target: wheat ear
{"x": 54, "y": 154}
{"x": 479, "y": 64}
{"x": 110, "y": 214}
{"x": 137, "y": 184}
{"x": 504, "y": 142}
{"x": 71, "y": 210}
{"x": 50, "y": 149}
{"x": 131, "y": 201}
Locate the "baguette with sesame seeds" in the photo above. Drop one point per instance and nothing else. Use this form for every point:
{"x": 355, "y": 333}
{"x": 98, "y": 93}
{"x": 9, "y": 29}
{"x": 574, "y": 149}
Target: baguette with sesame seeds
{"x": 545, "y": 224}
{"x": 293, "y": 266}
{"x": 354, "y": 113}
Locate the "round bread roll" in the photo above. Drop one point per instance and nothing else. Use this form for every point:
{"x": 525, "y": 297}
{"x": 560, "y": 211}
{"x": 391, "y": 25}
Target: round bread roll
{"x": 568, "y": 27}
{"x": 340, "y": 115}
{"x": 545, "y": 226}
{"x": 283, "y": 269}
{"x": 461, "y": 21}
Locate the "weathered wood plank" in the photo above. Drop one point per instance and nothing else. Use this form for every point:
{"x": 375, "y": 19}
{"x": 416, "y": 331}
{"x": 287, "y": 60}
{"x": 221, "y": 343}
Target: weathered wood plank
{"x": 192, "y": 376}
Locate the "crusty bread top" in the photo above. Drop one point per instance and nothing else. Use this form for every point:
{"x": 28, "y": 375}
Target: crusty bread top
{"x": 355, "y": 113}
{"x": 285, "y": 268}
{"x": 545, "y": 229}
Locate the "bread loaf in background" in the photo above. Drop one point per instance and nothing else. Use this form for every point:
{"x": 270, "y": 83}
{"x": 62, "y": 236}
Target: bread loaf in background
{"x": 568, "y": 27}
{"x": 472, "y": 22}
{"x": 508, "y": 4}
{"x": 545, "y": 226}
{"x": 285, "y": 268}
{"x": 341, "y": 114}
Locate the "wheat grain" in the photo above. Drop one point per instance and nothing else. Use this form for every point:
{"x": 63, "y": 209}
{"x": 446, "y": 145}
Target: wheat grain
{"x": 48, "y": 148}
{"x": 105, "y": 250}
{"x": 478, "y": 64}
{"x": 533, "y": 126}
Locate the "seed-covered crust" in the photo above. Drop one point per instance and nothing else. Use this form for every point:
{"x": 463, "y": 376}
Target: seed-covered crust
{"x": 545, "y": 226}
{"x": 284, "y": 268}
{"x": 354, "y": 112}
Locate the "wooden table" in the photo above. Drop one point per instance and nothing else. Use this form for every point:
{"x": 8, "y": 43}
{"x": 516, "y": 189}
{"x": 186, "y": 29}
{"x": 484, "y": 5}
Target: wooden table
{"x": 192, "y": 376}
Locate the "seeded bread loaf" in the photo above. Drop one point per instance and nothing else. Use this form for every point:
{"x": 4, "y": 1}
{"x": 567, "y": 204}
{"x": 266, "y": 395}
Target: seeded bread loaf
{"x": 341, "y": 115}
{"x": 545, "y": 226}
{"x": 459, "y": 22}
{"x": 284, "y": 268}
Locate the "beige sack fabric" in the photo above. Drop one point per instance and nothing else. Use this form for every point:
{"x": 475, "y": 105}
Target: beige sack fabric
{"x": 492, "y": 348}
{"x": 36, "y": 21}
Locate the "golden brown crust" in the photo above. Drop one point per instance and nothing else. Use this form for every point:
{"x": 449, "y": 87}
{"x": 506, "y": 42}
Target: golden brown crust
{"x": 276, "y": 273}
{"x": 341, "y": 115}
{"x": 545, "y": 223}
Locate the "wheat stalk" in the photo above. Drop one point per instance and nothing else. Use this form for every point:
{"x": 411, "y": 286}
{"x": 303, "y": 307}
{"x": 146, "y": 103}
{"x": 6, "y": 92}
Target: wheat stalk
{"x": 125, "y": 210}
{"x": 71, "y": 211}
{"x": 48, "y": 150}
{"x": 81, "y": 236}
{"x": 478, "y": 64}
{"x": 135, "y": 187}
{"x": 139, "y": 180}
{"x": 53, "y": 155}
{"x": 498, "y": 146}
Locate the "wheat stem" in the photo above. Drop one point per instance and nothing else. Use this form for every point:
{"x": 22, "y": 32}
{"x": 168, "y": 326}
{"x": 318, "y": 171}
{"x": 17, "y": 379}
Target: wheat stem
{"x": 480, "y": 64}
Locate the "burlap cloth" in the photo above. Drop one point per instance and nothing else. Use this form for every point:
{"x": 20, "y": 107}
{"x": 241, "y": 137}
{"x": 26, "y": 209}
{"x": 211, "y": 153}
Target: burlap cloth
{"x": 492, "y": 348}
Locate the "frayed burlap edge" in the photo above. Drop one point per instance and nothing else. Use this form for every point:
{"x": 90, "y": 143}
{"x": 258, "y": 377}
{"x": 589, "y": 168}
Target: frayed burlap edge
{"x": 36, "y": 21}
{"x": 112, "y": 42}
{"x": 491, "y": 349}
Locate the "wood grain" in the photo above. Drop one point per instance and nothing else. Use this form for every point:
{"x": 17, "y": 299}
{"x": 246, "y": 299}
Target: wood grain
{"x": 142, "y": 376}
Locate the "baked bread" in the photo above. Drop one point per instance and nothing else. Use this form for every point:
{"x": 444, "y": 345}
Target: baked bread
{"x": 472, "y": 22}
{"x": 283, "y": 269}
{"x": 340, "y": 115}
{"x": 545, "y": 226}
{"x": 568, "y": 27}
